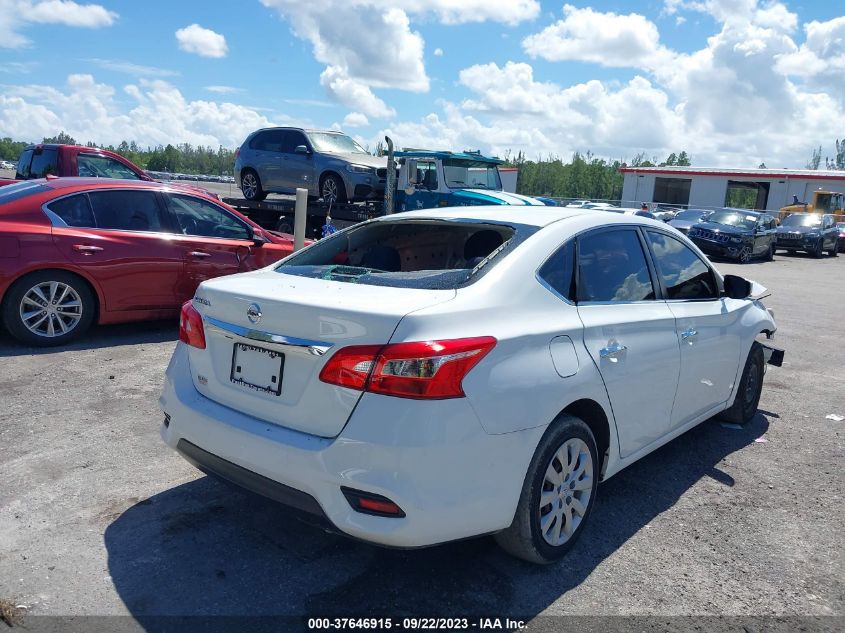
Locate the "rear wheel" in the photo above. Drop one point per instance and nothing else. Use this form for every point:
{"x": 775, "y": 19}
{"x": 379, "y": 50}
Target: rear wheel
{"x": 557, "y": 494}
{"x": 285, "y": 225}
{"x": 750, "y": 387}
{"x": 48, "y": 308}
{"x": 251, "y": 185}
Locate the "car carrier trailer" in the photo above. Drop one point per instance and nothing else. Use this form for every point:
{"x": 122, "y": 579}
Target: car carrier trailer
{"x": 277, "y": 213}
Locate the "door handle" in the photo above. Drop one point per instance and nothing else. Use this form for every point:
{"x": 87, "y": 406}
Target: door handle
{"x": 612, "y": 350}
{"x": 199, "y": 254}
{"x": 688, "y": 334}
{"x": 87, "y": 249}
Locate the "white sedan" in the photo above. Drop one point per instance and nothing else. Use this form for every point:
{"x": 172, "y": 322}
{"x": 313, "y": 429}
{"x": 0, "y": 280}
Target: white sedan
{"x": 441, "y": 374}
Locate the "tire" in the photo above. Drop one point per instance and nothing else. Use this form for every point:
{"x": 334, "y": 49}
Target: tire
{"x": 770, "y": 254}
{"x": 284, "y": 225}
{"x": 818, "y": 251}
{"x": 73, "y": 311}
{"x": 525, "y": 537}
{"x": 750, "y": 387}
{"x": 332, "y": 189}
{"x": 251, "y": 185}
{"x": 834, "y": 250}
{"x": 744, "y": 255}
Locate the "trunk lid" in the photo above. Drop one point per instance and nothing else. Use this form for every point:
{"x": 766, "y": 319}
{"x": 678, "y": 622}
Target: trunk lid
{"x": 294, "y": 326}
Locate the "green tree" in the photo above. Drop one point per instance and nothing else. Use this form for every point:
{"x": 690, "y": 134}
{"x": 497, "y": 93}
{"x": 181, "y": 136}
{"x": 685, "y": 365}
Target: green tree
{"x": 61, "y": 138}
{"x": 813, "y": 163}
{"x": 838, "y": 162}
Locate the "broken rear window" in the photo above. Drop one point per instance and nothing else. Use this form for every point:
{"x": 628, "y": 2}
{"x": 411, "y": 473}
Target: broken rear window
{"x": 434, "y": 254}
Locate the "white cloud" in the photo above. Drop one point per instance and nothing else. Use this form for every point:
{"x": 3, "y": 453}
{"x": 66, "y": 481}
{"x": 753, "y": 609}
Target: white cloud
{"x": 70, "y": 13}
{"x": 224, "y": 90}
{"x": 355, "y": 119}
{"x": 608, "y": 39}
{"x": 367, "y": 44}
{"x": 201, "y": 41}
{"x": 130, "y": 68}
{"x": 822, "y": 52}
{"x": 438, "y": 52}
{"x": 510, "y": 12}
{"x": 17, "y": 14}
{"x": 158, "y": 114}
{"x": 17, "y": 67}
{"x": 727, "y": 103}
{"x": 353, "y": 93}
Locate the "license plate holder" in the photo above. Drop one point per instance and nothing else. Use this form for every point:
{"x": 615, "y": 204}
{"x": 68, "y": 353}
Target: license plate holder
{"x": 257, "y": 368}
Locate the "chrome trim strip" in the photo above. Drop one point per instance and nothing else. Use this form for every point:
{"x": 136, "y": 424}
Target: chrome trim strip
{"x": 291, "y": 343}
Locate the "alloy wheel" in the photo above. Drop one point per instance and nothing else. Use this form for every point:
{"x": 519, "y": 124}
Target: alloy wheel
{"x": 744, "y": 255}
{"x": 249, "y": 185}
{"x": 50, "y": 309}
{"x": 329, "y": 190}
{"x": 566, "y": 491}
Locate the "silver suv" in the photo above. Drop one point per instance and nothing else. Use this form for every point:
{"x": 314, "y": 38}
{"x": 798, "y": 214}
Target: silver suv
{"x": 329, "y": 164}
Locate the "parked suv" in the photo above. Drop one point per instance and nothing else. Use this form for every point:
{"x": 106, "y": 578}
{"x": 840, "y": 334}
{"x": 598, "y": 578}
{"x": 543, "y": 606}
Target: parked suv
{"x": 329, "y": 164}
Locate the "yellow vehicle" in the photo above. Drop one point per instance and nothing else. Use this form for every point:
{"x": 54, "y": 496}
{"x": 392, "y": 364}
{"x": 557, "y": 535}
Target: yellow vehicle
{"x": 823, "y": 202}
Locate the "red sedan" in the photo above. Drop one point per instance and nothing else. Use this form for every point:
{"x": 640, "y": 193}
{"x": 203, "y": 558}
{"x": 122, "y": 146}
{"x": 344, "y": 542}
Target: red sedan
{"x": 78, "y": 250}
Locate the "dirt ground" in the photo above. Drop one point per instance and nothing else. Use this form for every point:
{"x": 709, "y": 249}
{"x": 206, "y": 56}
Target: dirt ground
{"x": 98, "y": 517}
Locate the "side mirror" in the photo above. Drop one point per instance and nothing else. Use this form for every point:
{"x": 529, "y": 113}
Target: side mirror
{"x": 736, "y": 287}
{"x": 257, "y": 238}
{"x": 301, "y": 149}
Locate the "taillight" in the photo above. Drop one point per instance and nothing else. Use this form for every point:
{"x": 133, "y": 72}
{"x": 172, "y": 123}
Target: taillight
{"x": 190, "y": 326}
{"x": 350, "y": 366}
{"x": 426, "y": 369}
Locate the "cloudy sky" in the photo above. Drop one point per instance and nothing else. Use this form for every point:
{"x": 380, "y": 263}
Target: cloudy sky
{"x": 732, "y": 82}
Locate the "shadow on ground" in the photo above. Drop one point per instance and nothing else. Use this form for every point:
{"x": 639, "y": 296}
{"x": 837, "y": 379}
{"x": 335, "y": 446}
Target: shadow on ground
{"x": 202, "y": 548}
{"x": 100, "y": 336}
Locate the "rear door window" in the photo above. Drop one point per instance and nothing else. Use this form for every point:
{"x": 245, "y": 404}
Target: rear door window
{"x": 23, "y": 164}
{"x": 558, "y": 273}
{"x": 73, "y": 211}
{"x": 424, "y": 253}
{"x": 612, "y": 268}
{"x": 44, "y": 163}
{"x": 128, "y": 211}
{"x": 269, "y": 141}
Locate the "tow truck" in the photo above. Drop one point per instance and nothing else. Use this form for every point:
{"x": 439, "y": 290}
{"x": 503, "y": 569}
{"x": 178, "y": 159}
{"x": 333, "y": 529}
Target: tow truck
{"x": 424, "y": 179}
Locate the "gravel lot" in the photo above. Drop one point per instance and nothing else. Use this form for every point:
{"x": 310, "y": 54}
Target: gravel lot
{"x": 97, "y": 516}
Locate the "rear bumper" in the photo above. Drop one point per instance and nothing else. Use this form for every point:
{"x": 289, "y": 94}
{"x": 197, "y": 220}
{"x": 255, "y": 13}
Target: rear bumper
{"x": 433, "y": 459}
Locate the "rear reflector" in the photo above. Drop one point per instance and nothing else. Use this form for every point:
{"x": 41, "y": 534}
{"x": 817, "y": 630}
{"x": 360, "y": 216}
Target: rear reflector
{"x": 370, "y": 503}
{"x": 421, "y": 370}
{"x": 190, "y": 326}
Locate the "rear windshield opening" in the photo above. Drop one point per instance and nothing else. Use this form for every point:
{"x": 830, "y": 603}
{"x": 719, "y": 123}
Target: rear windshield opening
{"x": 411, "y": 253}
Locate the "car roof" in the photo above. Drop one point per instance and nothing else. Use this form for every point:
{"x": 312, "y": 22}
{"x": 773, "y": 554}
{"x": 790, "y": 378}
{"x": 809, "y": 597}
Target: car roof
{"x": 526, "y": 215}
{"x": 299, "y": 129}
{"x": 69, "y": 182}
{"x": 442, "y": 154}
